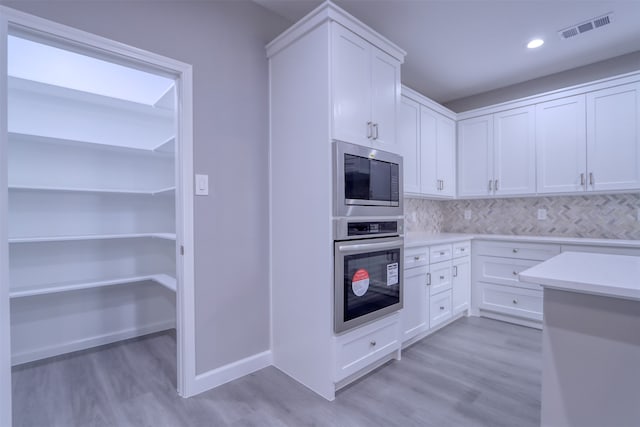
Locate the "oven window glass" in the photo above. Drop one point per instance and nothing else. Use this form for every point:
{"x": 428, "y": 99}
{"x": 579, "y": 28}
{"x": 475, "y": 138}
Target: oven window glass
{"x": 371, "y": 282}
{"x": 367, "y": 179}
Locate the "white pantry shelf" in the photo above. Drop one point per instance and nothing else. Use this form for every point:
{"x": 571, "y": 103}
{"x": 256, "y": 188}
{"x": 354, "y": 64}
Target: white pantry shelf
{"x": 40, "y": 239}
{"x": 165, "y": 148}
{"x": 162, "y": 279}
{"x": 92, "y": 190}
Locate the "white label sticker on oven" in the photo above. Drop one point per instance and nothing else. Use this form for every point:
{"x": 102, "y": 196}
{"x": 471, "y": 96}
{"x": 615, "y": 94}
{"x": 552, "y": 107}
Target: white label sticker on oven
{"x": 360, "y": 282}
{"x": 392, "y": 274}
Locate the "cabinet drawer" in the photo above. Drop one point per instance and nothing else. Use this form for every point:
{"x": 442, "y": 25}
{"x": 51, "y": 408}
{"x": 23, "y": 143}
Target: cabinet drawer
{"x": 440, "y": 308}
{"x": 440, "y": 253}
{"x": 532, "y": 251}
{"x": 504, "y": 271}
{"x": 461, "y": 249}
{"x": 358, "y": 349}
{"x": 512, "y": 301}
{"x": 416, "y": 257}
{"x": 440, "y": 277}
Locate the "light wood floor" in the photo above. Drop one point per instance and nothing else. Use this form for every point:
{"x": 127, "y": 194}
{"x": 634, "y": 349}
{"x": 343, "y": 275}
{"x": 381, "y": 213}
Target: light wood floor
{"x": 475, "y": 372}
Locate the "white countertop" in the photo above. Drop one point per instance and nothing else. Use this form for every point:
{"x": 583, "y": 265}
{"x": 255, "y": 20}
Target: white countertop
{"x": 599, "y": 274}
{"x": 414, "y": 239}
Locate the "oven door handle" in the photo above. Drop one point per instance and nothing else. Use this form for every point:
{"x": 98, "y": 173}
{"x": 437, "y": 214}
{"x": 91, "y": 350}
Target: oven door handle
{"x": 362, "y": 247}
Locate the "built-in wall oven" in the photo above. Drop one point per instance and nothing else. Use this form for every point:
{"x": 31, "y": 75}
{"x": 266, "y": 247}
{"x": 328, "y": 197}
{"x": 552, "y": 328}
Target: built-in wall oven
{"x": 368, "y": 235}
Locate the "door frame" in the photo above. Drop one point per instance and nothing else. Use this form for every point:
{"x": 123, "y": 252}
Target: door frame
{"x": 183, "y": 74}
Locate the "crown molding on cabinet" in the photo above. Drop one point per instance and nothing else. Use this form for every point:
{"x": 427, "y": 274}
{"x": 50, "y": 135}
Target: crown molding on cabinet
{"x": 328, "y": 11}
{"x": 421, "y": 99}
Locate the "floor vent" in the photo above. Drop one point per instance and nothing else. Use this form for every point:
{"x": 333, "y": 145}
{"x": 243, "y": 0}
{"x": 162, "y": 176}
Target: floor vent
{"x": 583, "y": 27}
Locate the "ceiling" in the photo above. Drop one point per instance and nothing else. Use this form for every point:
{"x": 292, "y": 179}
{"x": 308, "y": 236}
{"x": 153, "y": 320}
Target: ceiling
{"x": 460, "y": 48}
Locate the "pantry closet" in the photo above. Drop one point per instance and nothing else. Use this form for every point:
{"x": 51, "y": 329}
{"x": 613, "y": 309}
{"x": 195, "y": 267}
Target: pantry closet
{"x": 91, "y": 200}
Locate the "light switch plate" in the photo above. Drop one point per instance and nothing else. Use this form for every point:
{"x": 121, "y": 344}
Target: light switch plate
{"x": 202, "y": 185}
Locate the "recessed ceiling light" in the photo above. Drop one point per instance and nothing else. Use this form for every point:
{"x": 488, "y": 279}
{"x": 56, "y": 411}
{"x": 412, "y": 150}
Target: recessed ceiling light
{"x": 535, "y": 43}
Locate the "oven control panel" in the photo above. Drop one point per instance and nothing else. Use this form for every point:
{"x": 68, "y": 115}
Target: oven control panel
{"x": 354, "y": 228}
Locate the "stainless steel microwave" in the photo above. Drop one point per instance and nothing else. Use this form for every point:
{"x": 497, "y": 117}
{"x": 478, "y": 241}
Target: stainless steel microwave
{"x": 366, "y": 181}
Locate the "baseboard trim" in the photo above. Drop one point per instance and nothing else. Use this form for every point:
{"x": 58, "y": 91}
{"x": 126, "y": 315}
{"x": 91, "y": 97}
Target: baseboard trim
{"x": 86, "y": 343}
{"x": 224, "y": 374}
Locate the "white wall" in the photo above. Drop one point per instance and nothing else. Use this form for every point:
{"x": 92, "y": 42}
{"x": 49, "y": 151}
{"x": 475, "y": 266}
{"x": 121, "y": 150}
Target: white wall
{"x": 224, "y": 41}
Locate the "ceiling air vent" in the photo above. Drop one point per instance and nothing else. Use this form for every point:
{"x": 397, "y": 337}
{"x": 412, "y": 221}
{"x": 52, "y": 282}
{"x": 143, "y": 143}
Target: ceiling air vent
{"x": 583, "y": 27}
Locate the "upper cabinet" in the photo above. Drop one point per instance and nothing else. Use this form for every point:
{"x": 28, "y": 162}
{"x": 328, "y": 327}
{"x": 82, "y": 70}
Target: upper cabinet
{"x": 590, "y": 142}
{"x": 427, "y": 144}
{"x": 497, "y": 154}
{"x": 561, "y": 145}
{"x": 613, "y": 138}
{"x": 365, "y": 91}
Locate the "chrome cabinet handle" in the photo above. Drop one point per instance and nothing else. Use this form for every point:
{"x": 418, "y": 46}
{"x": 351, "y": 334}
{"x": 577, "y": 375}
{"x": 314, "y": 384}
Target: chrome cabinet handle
{"x": 490, "y": 185}
{"x": 515, "y": 301}
{"x": 428, "y": 279}
{"x": 373, "y": 343}
{"x": 441, "y": 253}
{"x": 515, "y": 250}
{"x": 495, "y": 185}
{"x": 417, "y": 258}
{"x": 515, "y": 273}
{"x": 442, "y": 307}
{"x": 375, "y": 127}
{"x": 455, "y": 271}
{"x": 581, "y": 179}
{"x": 441, "y": 277}
{"x": 590, "y": 178}
{"x": 369, "y": 130}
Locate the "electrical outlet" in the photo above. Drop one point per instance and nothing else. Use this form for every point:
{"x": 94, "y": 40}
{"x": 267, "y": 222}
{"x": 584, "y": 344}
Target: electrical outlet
{"x": 542, "y": 214}
{"x": 467, "y": 213}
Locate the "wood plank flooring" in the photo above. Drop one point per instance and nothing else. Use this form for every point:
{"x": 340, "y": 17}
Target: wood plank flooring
{"x": 474, "y": 372}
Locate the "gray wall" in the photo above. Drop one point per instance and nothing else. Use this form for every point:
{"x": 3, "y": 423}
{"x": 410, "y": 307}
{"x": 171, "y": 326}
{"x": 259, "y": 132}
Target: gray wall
{"x": 224, "y": 41}
{"x": 599, "y": 70}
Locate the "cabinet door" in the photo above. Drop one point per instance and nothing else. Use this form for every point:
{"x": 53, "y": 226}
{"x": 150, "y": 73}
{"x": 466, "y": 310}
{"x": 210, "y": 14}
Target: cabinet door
{"x": 461, "y": 285}
{"x": 561, "y": 155}
{"x": 409, "y": 137}
{"x": 475, "y": 156}
{"x": 351, "y": 86}
{"x": 385, "y": 99}
{"x": 445, "y": 163}
{"x": 613, "y": 138}
{"x": 514, "y": 151}
{"x": 415, "y": 311}
{"x": 428, "y": 151}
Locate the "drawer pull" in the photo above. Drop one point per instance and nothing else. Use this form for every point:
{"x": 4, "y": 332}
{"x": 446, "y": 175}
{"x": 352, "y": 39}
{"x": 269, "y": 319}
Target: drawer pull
{"x": 373, "y": 343}
{"x": 441, "y": 253}
{"x": 515, "y": 301}
{"x": 417, "y": 258}
{"x": 428, "y": 279}
{"x": 461, "y": 249}
{"x": 515, "y": 273}
{"x": 441, "y": 277}
{"x": 515, "y": 250}
{"x": 442, "y": 307}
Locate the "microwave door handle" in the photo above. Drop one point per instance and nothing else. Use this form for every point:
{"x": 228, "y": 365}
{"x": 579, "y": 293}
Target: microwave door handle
{"x": 369, "y": 246}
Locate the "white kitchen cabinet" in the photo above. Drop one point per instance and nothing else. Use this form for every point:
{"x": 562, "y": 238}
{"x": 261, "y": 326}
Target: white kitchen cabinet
{"x": 461, "y": 284}
{"x": 497, "y": 154}
{"x": 561, "y": 145}
{"x": 613, "y": 138}
{"x": 514, "y": 152}
{"x": 409, "y": 138}
{"x": 365, "y": 92}
{"x": 415, "y": 313}
{"x": 475, "y": 156}
{"x": 427, "y": 144}
{"x": 590, "y": 142}
{"x": 437, "y": 153}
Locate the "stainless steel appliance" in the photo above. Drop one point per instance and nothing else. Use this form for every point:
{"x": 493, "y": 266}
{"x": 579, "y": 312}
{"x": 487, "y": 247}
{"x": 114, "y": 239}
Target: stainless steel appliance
{"x": 367, "y": 182}
{"x": 368, "y": 270}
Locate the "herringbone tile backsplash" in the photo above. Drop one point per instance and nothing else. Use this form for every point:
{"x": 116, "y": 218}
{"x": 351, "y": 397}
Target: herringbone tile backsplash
{"x": 595, "y": 216}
